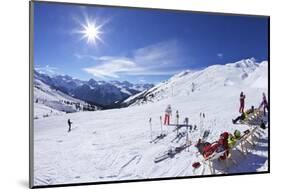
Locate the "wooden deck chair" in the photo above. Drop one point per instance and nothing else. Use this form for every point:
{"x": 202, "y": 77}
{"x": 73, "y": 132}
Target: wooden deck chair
{"x": 252, "y": 135}
{"x": 253, "y": 118}
{"x": 240, "y": 142}
{"x": 215, "y": 156}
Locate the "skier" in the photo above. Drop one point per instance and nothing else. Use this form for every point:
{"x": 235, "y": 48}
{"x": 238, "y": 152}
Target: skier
{"x": 192, "y": 87}
{"x": 168, "y": 113}
{"x": 264, "y": 103}
{"x": 242, "y": 102}
{"x": 177, "y": 116}
{"x": 69, "y": 125}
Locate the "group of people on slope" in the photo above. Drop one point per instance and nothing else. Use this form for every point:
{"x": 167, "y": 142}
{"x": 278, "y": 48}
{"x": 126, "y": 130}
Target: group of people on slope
{"x": 264, "y": 104}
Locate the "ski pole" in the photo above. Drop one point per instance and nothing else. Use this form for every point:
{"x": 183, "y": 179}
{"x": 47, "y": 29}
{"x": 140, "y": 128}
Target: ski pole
{"x": 161, "y": 125}
{"x": 186, "y": 135}
{"x": 150, "y": 128}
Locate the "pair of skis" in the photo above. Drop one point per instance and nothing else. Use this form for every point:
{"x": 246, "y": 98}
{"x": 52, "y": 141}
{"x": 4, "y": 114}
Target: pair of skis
{"x": 178, "y": 137}
{"x": 158, "y": 138}
{"x": 172, "y": 152}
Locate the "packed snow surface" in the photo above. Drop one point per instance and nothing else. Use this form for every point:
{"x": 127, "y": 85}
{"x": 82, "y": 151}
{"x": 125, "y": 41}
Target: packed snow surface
{"x": 114, "y": 144}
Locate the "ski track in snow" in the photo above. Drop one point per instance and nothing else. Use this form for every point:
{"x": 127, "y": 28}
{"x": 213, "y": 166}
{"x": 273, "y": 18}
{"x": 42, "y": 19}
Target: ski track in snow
{"x": 115, "y": 144}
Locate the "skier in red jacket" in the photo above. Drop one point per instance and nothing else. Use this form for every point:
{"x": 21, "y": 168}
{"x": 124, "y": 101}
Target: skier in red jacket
{"x": 242, "y": 102}
{"x": 168, "y": 113}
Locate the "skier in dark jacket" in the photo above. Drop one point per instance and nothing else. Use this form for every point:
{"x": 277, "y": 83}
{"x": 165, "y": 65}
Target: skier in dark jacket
{"x": 242, "y": 102}
{"x": 69, "y": 125}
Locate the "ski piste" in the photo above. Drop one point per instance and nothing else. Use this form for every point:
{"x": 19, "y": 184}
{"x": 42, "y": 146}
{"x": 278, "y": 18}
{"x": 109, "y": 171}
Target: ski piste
{"x": 172, "y": 152}
{"x": 127, "y": 139}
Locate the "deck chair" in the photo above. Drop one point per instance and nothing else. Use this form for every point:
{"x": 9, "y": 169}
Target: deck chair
{"x": 215, "y": 156}
{"x": 240, "y": 142}
{"x": 246, "y": 138}
{"x": 252, "y": 134}
{"x": 253, "y": 118}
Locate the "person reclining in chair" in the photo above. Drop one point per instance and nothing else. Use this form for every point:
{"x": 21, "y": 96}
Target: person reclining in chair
{"x": 244, "y": 115}
{"x": 233, "y": 138}
{"x": 206, "y": 149}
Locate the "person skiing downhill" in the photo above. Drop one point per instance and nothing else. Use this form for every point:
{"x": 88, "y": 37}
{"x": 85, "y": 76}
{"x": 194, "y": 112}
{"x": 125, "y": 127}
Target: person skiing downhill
{"x": 264, "y": 103}
{"x": 69, "y": 125}
{"x": 168, "y": 113}
{"x": 242, "y": 102}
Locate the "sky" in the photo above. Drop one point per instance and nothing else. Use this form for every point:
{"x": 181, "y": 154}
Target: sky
{"x": 140, "y": 45}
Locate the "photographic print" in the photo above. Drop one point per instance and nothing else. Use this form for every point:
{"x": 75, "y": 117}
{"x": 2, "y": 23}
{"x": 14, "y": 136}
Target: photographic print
{"x": 125, "y": 94}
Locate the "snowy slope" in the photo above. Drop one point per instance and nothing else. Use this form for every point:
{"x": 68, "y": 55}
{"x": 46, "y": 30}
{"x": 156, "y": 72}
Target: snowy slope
{"x": 49, "y": 101}
{"x": 114, "y": 144}
{"x": 245, "y": 72}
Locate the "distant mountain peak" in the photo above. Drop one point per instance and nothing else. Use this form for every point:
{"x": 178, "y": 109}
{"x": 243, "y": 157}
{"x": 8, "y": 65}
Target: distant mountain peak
{"x": 245, "y": 63}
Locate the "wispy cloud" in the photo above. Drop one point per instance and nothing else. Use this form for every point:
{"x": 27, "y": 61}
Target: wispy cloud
{"x": 111, "y": 67}
{"x": 220, "y": 55}
{"x": 46, "y": 69}
{"x": 157, "y": 59}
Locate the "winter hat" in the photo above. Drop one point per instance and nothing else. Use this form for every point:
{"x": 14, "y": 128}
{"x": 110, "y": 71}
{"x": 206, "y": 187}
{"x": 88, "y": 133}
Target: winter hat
{"x": 224, "y": 135}
{"x": 237, "y": 134}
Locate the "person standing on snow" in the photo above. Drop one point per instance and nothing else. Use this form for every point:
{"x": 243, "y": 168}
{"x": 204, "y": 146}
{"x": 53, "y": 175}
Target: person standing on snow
{"x": 264, "y": 103}
{"x": 242, "y": 102}
{"x": 69, "y": 125}
{"x": 168, "y": 113}
{"x": 177, "y": 116}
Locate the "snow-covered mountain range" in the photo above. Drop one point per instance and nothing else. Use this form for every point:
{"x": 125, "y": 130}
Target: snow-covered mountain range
{"x": 101, "y": 93}
{"x": 50, "y": 101}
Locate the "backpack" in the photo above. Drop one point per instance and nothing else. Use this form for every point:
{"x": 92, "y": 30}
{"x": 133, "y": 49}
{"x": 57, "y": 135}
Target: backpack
{"x": 263, "y": 125}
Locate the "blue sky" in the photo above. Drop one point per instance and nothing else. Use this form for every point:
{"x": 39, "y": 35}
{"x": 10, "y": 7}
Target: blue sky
{"x": 140, "y": 45}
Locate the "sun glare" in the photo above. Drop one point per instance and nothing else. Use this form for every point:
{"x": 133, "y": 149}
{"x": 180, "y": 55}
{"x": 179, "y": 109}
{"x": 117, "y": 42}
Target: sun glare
{"x": 91, "y": 31}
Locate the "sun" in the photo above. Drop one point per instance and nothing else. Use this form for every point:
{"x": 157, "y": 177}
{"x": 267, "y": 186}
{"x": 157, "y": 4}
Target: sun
{"x": 91, "y": 31}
